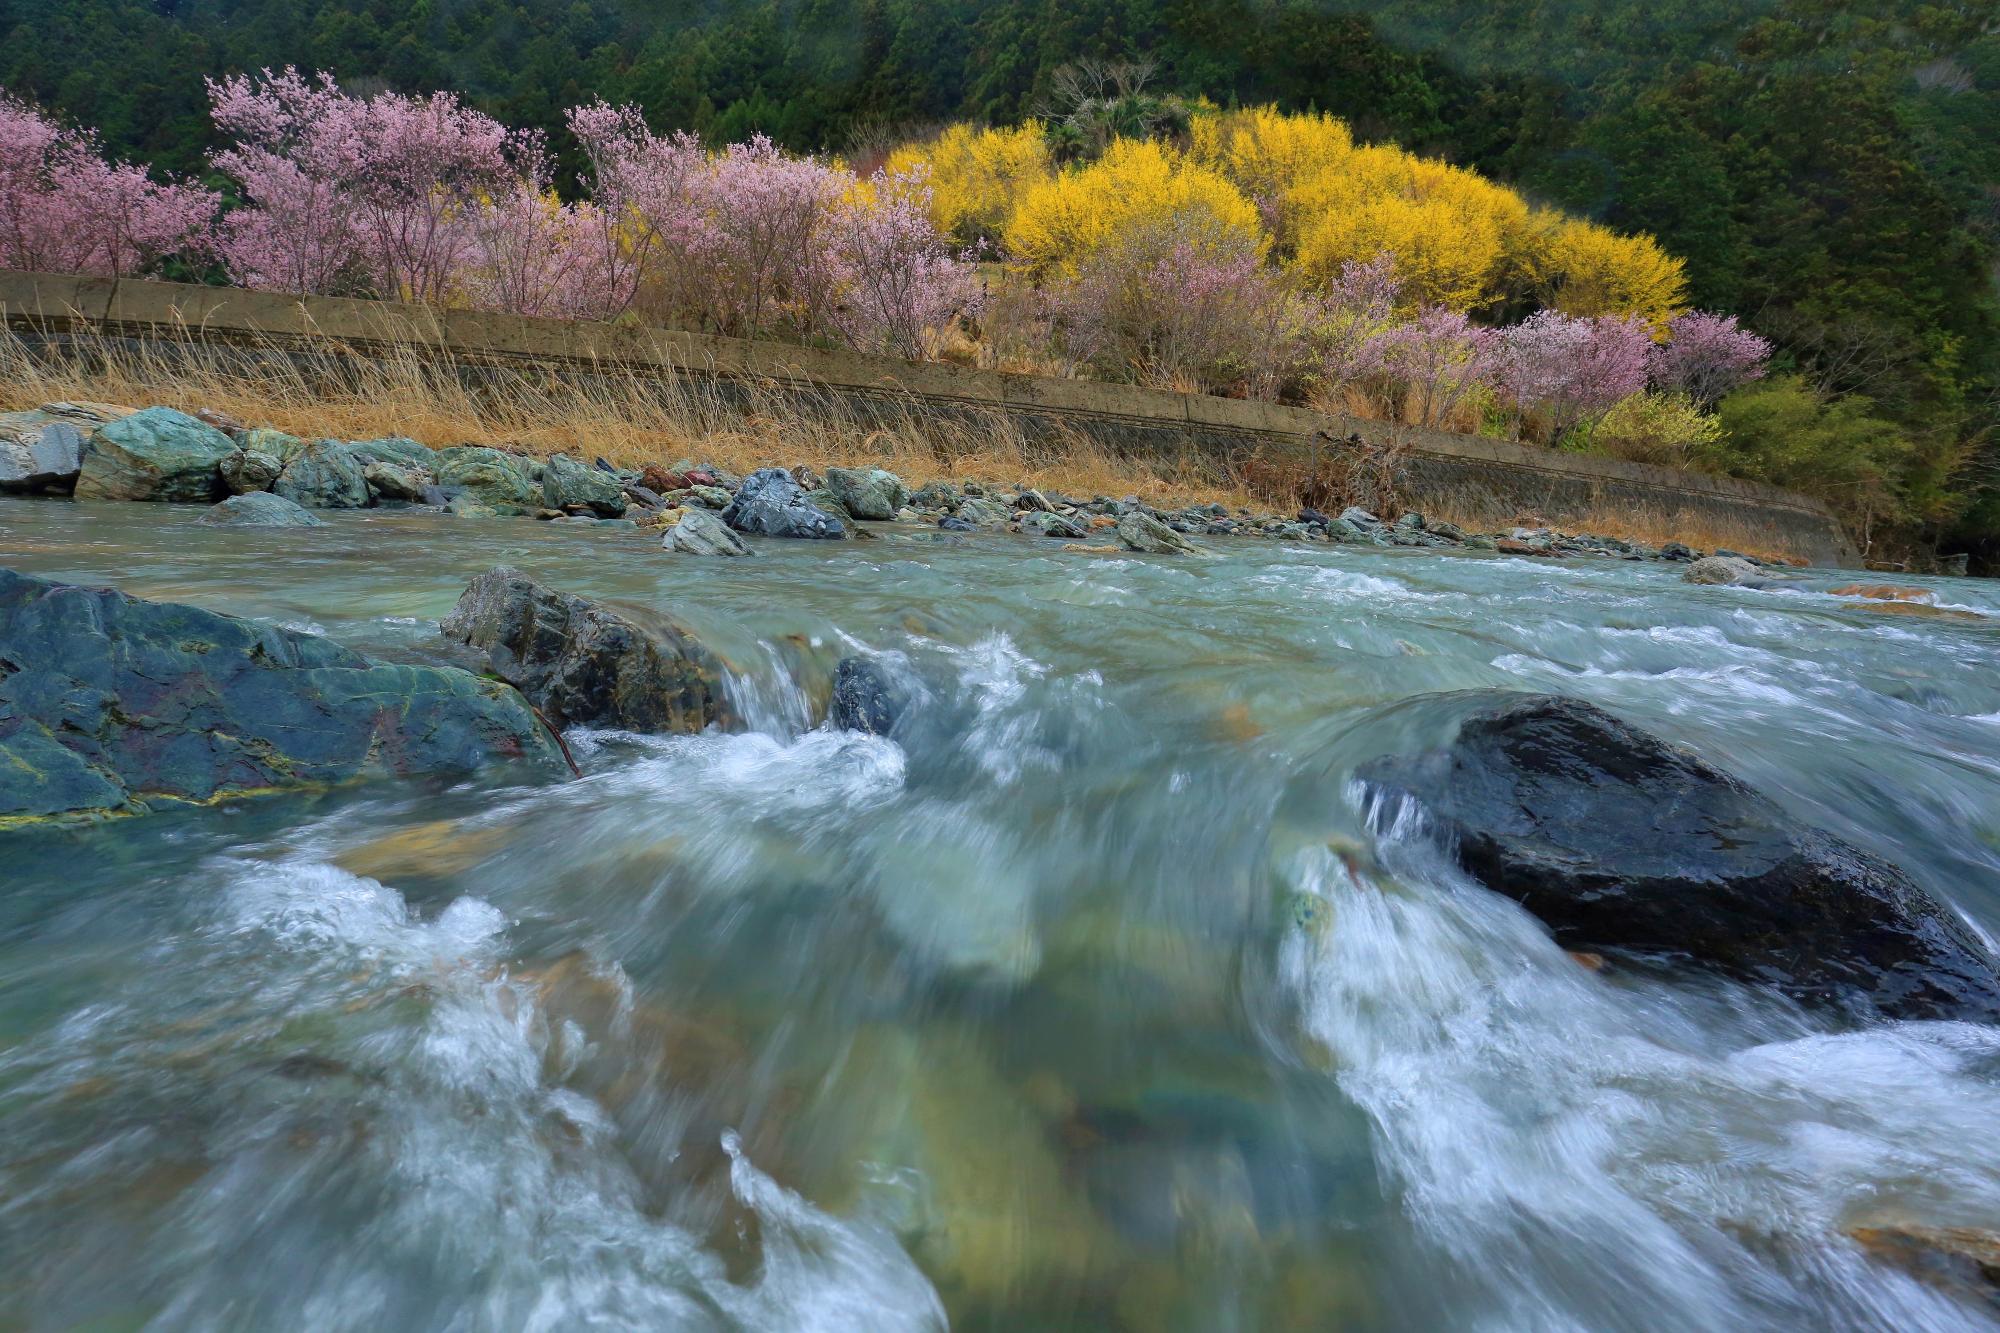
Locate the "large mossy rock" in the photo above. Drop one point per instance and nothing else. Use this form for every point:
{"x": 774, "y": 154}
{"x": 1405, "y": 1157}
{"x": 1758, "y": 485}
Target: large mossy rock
{"x": 114, "y": 705}
{"x": 497, "y": 480}
{"x": 867, "y": 492}
{"x": 567, "y": 482}
{"x": 1620, "y": 842}
{"x": 771, "y": 504}
{"x": 583, "y": 663}
{"x": 157, "y": 454}
{"x": 326, "y": 474}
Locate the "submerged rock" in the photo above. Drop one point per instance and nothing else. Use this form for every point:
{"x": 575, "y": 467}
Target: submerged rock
{"x": 866, "y": 697}
{"x": 157, "y": 454}
{"x": 1619, "y": 841}
{"x": 114, "y": 705}
{"x": 699, "y": 532}
{"x": 867, "y": 492}
{"x": 1142, "y": 532}
{"x": 39, "y": 451}
{"x": 771, "y": 504}
{"x": 258, "y": 509}
{"x": 580, "y": 662}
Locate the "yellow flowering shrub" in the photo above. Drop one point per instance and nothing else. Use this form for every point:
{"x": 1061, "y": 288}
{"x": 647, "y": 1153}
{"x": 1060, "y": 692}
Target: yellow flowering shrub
{"x": 977, "y": 175}
{"x": 1136, "y": 184}
{"x": 1585, "y": 269}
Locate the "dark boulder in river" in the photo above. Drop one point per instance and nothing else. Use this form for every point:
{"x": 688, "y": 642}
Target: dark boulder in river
{"x": 1621, "y": 842}
{"x": 771, "y": 504}
{"x": 866, "y": 697}
{"x": 114, "y": 705}
{"x": 581, "y": 662}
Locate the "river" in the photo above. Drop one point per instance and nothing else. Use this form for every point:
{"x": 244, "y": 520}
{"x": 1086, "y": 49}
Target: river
{"x": 1102, "y": 1000}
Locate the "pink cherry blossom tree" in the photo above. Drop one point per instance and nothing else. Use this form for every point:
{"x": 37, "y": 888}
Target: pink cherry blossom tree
{"x": 899, "y": 284}
{"x": 1345, "y": 324}
{"x": 65, "y": 208}
{"x": 1705, "y": 356}
{"x": 1436, "y": 362}
{"x": 1572, "y": 370}
{"x": 344, "y": 191}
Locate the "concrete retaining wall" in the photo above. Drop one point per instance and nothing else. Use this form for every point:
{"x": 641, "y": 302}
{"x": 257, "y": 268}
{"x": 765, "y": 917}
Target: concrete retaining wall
{"x": 1492, "y": 482}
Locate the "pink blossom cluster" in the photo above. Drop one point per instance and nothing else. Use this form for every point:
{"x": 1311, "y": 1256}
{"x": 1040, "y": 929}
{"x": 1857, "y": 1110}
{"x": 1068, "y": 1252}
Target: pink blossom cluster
{"x": 1572, "y": 370}
{"x": 751, "y": 239}
{"x": 65, "y": 208}
{"x": 1180, "y": 307}
{"x": 1705, "y": 356}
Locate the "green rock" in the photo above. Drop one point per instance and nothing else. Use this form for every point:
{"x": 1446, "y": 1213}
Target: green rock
{"x": 324, "y": 475}
{"x": 986, "y": 513}
{"x": 249, "y": 470}
{"x": 157, "y": 454}
{"x": 276, "y": 443}
{"x": 867, "y": 492}
{"x": 565, "y": 482}
{"x": 1142, "y": 532}
{"x": 498, "y": 480}
{"x": 395, "y": 481}
{"x": 258, "y": 509}
{"x": 116, "y": 705}
{"x": 397, "y": 449}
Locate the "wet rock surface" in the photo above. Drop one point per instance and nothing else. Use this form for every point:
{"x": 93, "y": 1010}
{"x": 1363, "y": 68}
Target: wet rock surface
{"x": 157, "y": 454}
{"x": 771, "y": 504}
{"x": 699, "y": 532}
{"x": 1620, "y": 842}
{"x": 866, "y": 697}
{"x": 111, "y": 704}
{"x": 40, "y": 451}
{"x": 259, "y": 509}
{"x": 581, "y": 662}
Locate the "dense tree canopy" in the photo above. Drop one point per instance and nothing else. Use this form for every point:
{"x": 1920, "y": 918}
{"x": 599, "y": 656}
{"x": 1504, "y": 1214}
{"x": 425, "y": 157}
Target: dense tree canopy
{"x": 1826, "y": 168}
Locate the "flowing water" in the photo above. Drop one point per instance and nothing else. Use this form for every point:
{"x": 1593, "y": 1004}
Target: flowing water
{"x": 1103, "y": 1000}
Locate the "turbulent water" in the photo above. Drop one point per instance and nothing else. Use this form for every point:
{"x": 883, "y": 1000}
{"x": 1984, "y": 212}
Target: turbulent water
{"x": 1104, "y": 1000}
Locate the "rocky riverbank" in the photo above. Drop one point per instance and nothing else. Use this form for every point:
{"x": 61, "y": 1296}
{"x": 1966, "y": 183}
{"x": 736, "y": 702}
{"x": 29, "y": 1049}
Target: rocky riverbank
{"x": 263, "y": 477}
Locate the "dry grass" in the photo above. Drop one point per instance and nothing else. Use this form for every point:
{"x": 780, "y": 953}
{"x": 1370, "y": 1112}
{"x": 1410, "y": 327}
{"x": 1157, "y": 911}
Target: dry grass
{"x": 327, "y": 390}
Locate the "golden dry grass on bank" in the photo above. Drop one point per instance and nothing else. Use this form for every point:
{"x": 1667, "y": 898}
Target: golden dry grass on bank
{"x": 630, "y": 421}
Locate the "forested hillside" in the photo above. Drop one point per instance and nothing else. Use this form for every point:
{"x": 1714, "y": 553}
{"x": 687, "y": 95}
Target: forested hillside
{"x": 1829, "y": 171}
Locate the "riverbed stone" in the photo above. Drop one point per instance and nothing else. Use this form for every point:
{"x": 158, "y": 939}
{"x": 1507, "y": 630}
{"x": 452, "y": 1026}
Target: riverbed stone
{"x": 1622, "y": 843}
{"x": 565, "y": 481}
{"x": 771, "y": 504}
{"x": 258, "y": 509}
{"x": 500, "y": 481}
{"x": 698, "y": 532}
{"x": 111, "y": 704}
{"x": 583, "y": 663}
{"x": 982, "y": 512}
{"x": 324, "y": 475}
{"x": 1722, "y": 569}
{"x": 1140, "y": 531}
{"x": 866, "y": 697}
{"x": 40, "y": 451}
{"x": 395, "y": 481}
{"x": 398, "y": 449}
{"x": 871, "y": 493}
{"x": 249, "y": 470}
{"x": 1047, "y": 524}
{"x": 156, "y": 454}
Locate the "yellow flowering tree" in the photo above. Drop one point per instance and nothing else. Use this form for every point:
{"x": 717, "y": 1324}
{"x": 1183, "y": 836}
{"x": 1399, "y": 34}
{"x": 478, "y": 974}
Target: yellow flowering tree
{"x": 1584, "y": 269}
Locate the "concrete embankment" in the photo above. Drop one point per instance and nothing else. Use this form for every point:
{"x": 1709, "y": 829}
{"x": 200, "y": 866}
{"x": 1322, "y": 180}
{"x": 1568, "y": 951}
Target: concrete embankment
{"x": 1477, "y": 480}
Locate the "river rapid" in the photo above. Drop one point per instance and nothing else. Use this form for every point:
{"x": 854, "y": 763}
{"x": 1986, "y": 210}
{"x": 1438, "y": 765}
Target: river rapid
{"x": 1104, "y": 999}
